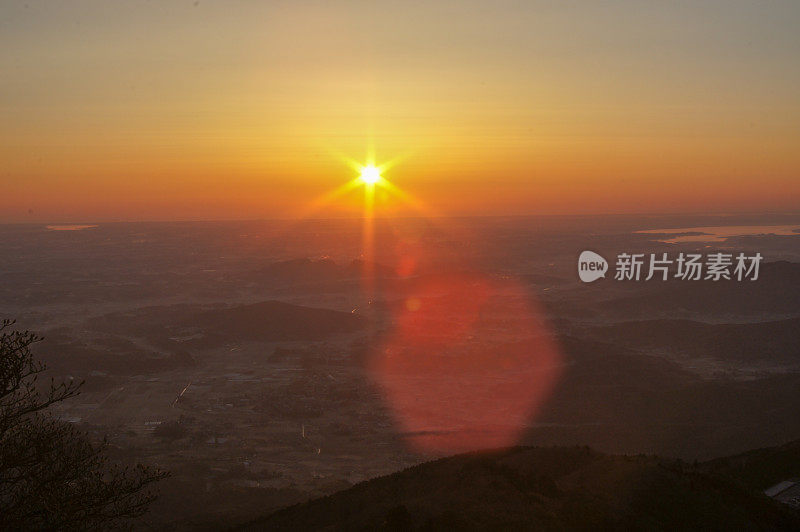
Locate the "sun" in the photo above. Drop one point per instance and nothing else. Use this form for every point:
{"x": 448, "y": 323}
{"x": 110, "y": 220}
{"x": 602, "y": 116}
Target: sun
{"x": 370, "y": 174}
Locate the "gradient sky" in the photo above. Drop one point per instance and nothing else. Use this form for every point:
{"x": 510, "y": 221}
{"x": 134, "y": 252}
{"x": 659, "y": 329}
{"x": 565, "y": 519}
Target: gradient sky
{"x": 162, "y": 110}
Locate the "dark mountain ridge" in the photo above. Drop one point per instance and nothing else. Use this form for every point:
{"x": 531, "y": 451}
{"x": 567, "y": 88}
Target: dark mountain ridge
{"x": 534, "y": 488}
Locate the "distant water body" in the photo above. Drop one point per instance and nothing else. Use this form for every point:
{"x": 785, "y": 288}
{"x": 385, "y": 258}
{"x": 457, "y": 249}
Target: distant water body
{"x": 69, "y": 227}
{"x": 718, "y": 234}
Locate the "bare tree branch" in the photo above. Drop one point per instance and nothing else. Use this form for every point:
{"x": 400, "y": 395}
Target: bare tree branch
{"x": 51, "y": 475}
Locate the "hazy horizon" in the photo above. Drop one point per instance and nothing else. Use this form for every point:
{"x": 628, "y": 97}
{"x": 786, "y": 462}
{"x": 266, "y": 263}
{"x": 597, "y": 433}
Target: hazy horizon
{"x": 359, "y": 218}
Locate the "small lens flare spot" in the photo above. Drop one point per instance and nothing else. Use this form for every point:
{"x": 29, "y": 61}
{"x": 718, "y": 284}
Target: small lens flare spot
{"x": 370, "y": 175}
{"x": 413, "y": 304}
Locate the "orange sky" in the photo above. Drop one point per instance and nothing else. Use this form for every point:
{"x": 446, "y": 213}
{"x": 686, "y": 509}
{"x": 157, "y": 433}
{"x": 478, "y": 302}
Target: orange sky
{"x": 239, "y": 109}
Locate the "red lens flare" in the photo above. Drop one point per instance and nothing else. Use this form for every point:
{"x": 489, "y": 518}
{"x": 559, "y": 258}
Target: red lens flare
{"x": 468, "y": 365}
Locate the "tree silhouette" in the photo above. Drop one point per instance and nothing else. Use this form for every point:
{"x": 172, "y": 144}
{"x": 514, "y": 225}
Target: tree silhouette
{"x": 51, "y": 475}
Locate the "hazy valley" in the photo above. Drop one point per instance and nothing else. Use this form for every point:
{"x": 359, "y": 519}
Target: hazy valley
{"x": 260, "y": 364}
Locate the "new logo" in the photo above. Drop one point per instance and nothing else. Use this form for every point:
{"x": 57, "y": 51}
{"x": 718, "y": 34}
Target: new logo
{"x": 591, "y": 266}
